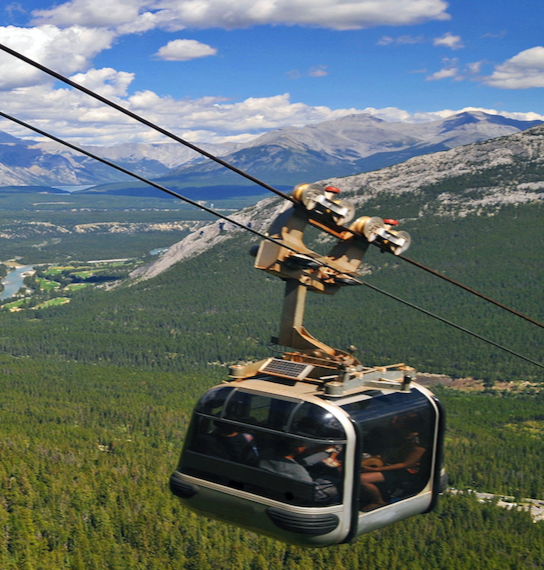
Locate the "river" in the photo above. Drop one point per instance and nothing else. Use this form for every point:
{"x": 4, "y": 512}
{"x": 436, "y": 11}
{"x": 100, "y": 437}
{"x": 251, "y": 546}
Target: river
{"x": 14, "y": 281}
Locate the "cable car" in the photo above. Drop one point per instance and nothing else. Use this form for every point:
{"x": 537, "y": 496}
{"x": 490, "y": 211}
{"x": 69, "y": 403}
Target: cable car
{"x": 314, "y": 448}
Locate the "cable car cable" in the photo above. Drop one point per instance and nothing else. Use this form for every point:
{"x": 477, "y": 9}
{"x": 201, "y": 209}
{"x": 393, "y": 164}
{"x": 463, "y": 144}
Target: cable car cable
{"x": 142, "y": 179}
{"x": 144, "y": 121}
{"x": 227, "y": 165}
{"x": 255, "y": 232}
{"x": 457, "y": 284}
{"x": 458, "y": 327}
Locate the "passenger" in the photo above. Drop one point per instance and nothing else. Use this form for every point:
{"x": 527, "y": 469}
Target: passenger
{"x": 283, "y": 461}
{"x": 401, "y": 462}
{"x": 226, "y": 442}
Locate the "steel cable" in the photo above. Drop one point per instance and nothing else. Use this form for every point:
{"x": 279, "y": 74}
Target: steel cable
{"x": 255, "y": 232}
{"x": 227, "y": 165}
{"x": 144, "y": 121}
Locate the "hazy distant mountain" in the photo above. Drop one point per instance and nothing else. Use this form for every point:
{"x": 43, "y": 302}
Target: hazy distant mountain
{"x": 32, "y": 163}
{"x": 352, "y": 144}
{"x": 282, "y": 157}
{"x": 480, "y": 177}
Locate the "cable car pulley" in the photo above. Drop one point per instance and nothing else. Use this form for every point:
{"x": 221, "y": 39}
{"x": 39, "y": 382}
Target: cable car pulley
{"x": 314, "y": 448}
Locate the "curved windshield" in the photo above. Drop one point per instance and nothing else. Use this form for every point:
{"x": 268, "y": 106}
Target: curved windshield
{"x": 313, "y": 421}
{"x": 287, "y": 450}
{"x": 212, "y": 402}
{"x": 397, "y": 446}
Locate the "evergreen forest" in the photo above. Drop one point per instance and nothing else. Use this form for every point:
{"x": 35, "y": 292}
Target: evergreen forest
{"x": 97, "y": 395}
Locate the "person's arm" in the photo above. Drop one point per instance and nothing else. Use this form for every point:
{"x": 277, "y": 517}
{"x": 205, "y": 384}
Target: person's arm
{"x": 413, "y": 457}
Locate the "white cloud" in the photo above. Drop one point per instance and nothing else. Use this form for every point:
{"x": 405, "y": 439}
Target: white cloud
{"x": 389, "y": 114}
{"x": 91, "y": 13}
{"x": 73, "y": 115}
{"x": 474, "y": 68}
{"x": 67, "y": 51}
{"x": 449, "y": 71}
{"x": 230, "y": 14}
{"x": 184, "y": 50}
{"x": 449, "y": 40}
{"x": 523, "y": 71}
{"x": 445, "y": 73}
{"x": 106, "y": 81}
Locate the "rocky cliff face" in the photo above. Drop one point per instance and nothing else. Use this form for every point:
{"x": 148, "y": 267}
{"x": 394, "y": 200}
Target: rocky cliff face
{"x": 499, "y": 171}
{"x": 473, "y": 178}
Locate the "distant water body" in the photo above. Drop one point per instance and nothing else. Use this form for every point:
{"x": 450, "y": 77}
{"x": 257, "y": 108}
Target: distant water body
{"x": 13, "y": 282}
{"x": 74, "y": 188}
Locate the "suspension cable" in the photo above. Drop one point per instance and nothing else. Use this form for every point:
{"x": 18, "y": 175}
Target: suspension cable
{"x": 142, "y": 179}
{"x": 144, "y": 121}
{"x": 457, "y": 284}
{"x": 458, "y": 327}
{"x": 255, "y": 232}
{"x": 218, "y": 160}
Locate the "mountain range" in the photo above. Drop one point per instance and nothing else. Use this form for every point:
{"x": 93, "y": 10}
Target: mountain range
{"x": 45, "y": 163}
{"x": 284, "y": 157}
{"x": 479, "y": 178}
{"x": 352, "y": 144}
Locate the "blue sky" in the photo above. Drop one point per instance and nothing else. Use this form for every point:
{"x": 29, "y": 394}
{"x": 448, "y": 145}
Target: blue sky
{"x": 227, "y": 70}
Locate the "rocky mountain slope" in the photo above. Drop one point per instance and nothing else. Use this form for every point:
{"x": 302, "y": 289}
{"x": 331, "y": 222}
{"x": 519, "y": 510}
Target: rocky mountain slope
{"x": 357, "y": 143}
{"x": 476, "y": 178}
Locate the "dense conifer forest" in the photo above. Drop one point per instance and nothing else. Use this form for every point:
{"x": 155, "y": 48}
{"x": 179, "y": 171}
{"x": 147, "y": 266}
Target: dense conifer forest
{"x": 198, "y": 316}
{"x": 87, "y": 452}
{"x": 97, "y": 395}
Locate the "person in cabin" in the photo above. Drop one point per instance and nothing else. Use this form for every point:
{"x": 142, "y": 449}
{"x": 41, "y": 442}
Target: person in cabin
{"x": 228, "y": 443}
{"x": 398, "y": 465}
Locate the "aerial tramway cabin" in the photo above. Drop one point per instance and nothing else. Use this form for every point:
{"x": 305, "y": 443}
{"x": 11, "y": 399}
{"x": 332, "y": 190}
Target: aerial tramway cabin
{"x": 312, "y": 447}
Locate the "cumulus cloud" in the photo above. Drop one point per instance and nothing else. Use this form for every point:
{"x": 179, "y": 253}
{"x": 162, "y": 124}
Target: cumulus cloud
{"x": 449, "y": 40}
{"x": 73, "y": 115}
{"x": 184, "y": 50}
{"x": 66, "y": 50}
{"x": 106, "y": 81}
{"x": 70, "y": 114}
{"x": 450, "y": 70}
{"x": 523, "y": 71}
{"x": 230, "y": 14}
{"x": 90, "y": 13}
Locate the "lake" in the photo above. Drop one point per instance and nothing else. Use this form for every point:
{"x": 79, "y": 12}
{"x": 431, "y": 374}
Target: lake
{"x": 13, "y": 282}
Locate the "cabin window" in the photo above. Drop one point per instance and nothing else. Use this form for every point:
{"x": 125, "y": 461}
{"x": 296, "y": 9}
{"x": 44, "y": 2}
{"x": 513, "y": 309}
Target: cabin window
{"x": 397, "y": 446}
{"x": 212, "y": 402}
{"x": 259, "y": 410}
{"x": 313, "y": 421}
{"x": 286, "y": 450}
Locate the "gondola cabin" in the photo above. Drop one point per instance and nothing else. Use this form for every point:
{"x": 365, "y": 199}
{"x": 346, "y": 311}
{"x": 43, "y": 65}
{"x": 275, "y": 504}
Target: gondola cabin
{"x": 313, "y": 448}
